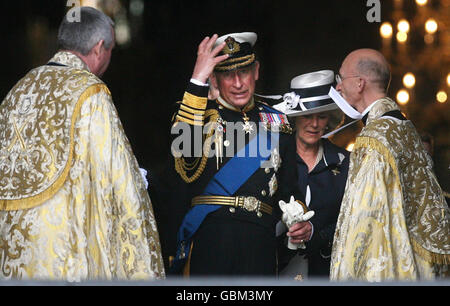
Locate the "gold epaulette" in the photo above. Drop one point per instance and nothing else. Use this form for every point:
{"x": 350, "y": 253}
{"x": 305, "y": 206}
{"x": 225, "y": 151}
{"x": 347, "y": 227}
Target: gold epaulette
{"x": 192, "y": 109}
{"x": 199, "y": 164}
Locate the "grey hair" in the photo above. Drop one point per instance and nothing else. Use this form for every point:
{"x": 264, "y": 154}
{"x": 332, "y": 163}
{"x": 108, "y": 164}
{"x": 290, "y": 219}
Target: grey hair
{"x": 83, "y": 34}
{"x": 377, "y": 72}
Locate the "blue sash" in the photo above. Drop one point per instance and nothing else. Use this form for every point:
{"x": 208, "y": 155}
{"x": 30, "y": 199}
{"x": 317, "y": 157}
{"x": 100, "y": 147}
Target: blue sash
{"x": 224, "y": 183}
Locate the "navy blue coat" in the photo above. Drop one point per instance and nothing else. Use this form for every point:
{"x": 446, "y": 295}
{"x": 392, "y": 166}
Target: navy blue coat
{"x": 230, "y": 242}
{"x": 327, "y": 184}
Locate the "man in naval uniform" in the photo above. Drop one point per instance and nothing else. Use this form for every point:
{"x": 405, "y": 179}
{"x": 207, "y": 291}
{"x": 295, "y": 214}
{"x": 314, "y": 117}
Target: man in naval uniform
{"x": 394, "y": 223}
{"x": 233, "y": 186}
{"x": 73, "y": 204}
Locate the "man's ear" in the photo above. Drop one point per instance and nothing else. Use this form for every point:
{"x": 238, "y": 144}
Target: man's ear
{"x": 256, "y": 70}
{"x": 361, "y": 85}
{"x": 213, "y": 80}
{"x": 98, "y": 48}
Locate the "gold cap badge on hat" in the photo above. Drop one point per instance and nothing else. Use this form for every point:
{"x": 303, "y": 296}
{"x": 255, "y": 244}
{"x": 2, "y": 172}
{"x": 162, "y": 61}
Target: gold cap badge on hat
{"x": 239, "y": 47}
{"x": 231, "y": 46}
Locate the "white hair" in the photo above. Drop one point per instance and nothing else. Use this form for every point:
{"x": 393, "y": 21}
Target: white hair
{"x": 82, "y": 35}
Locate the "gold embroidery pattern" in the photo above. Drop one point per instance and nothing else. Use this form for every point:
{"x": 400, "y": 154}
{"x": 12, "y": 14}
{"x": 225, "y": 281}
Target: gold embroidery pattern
{"x": 34, "y": 160}
{"x": 427, "y": 215}
{"x": 225, "y": 65}
{"x": 99, "y": 224}
{"x": 231, "y": 46}
{"x": 397, "y": 229}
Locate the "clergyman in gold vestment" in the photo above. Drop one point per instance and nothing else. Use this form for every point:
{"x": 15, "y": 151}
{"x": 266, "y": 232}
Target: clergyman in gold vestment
{"x": 393, "y": 223}
{"x": 73, "y": 204}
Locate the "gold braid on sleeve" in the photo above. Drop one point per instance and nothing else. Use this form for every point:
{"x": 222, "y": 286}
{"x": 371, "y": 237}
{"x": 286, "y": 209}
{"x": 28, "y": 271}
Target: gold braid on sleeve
{"x": 181, "y": 166}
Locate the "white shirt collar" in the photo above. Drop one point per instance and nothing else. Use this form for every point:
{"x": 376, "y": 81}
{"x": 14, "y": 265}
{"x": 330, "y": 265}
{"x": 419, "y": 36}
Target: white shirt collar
{"x": 370, "y": 107}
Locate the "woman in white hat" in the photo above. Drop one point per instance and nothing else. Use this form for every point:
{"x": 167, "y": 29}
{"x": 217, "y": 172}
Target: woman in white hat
{"x": 322, "y": 169}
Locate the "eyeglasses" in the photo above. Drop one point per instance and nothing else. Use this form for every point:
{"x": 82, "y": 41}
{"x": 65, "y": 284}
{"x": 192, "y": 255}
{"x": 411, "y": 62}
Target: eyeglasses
{"x": 339, "y": 78}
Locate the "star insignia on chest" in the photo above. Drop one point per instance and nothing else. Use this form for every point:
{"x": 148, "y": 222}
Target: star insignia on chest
{"x": 273, "y": 185}
{"x": 248, "y": 128}
{"x": 275, "y": 160}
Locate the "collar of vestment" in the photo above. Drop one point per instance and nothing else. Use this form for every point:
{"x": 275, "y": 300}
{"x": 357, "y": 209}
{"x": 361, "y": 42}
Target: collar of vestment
{"x": 365, "y": 113}
{"x": 37, "y": 127}
{"x": 248, "y": 107}
{"x": 379, "y": 107}
{"x": 68, "y": 58}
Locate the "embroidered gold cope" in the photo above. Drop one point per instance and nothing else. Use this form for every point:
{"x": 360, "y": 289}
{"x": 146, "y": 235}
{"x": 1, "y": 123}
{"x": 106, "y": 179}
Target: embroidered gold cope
{"x": 394, "y": 222}
{"x": 73, "y": 204}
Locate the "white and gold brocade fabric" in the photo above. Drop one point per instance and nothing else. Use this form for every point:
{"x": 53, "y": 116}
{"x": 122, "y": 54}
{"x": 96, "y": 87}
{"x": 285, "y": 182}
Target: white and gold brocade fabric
{"x": 73, "y": 205}
{"x": 394, "y": 222}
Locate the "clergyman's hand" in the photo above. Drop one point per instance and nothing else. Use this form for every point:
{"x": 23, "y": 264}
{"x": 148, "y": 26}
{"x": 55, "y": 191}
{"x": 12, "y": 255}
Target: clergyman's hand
{"x": 207, "y": 58}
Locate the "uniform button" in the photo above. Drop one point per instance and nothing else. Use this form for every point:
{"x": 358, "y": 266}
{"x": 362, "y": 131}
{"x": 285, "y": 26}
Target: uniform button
{"x": 264, "y": 193}
{"x": 226, "y": 143}
{"x": 267, "y": 170}
{"x": 220, "y": 107}
{"x": 232, "y": 210}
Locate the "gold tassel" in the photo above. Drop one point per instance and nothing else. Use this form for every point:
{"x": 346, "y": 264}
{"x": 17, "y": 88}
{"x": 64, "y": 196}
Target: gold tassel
{"x": 442, "y": 259}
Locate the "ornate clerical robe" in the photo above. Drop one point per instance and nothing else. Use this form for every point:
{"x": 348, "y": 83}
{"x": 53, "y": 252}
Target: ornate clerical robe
{"x": 394, "y": 222}
{"x": 73, "y": 204}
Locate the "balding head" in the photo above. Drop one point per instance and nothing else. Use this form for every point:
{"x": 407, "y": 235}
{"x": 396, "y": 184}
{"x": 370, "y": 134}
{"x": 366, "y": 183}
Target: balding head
{"x": 364, "y": 77}
{"x": 372, "y": 65}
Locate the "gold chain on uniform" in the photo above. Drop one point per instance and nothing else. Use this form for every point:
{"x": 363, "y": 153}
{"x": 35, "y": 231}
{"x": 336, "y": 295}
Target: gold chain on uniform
{"x": 181, "y": 165}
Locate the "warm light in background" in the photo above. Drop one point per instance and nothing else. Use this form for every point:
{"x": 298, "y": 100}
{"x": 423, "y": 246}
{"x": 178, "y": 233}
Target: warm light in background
{"x": 93, "y": 3}
{"x": 421, "y": 2}
{"x": 448, "y": 79}
{"x": 403, "y": 26}
{"x": 350, "y": 146}
{"x": 402, "y": 96}
{"x": 402, "y": 36}
{"x": 441, "y": 96}
{"x": 386, "y": 30}
{"x": 431, "y": 26}
{"x": 409, "y": 80}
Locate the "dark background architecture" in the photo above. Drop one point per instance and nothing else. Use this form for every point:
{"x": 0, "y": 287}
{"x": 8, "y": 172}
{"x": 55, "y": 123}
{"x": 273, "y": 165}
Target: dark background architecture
{"x": 150, "y": 70}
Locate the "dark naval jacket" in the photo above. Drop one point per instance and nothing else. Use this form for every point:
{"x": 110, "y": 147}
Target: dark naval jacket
{"x": 229, "y": 240}
{"x": 327, "y": 184}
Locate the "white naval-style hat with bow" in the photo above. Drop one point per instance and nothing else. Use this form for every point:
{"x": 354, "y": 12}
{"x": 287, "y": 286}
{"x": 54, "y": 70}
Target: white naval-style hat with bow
{"x": 309, "y": 94}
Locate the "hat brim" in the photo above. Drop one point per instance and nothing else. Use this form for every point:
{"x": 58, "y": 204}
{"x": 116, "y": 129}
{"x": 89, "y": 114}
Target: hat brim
{"x": 295, "y": 113}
